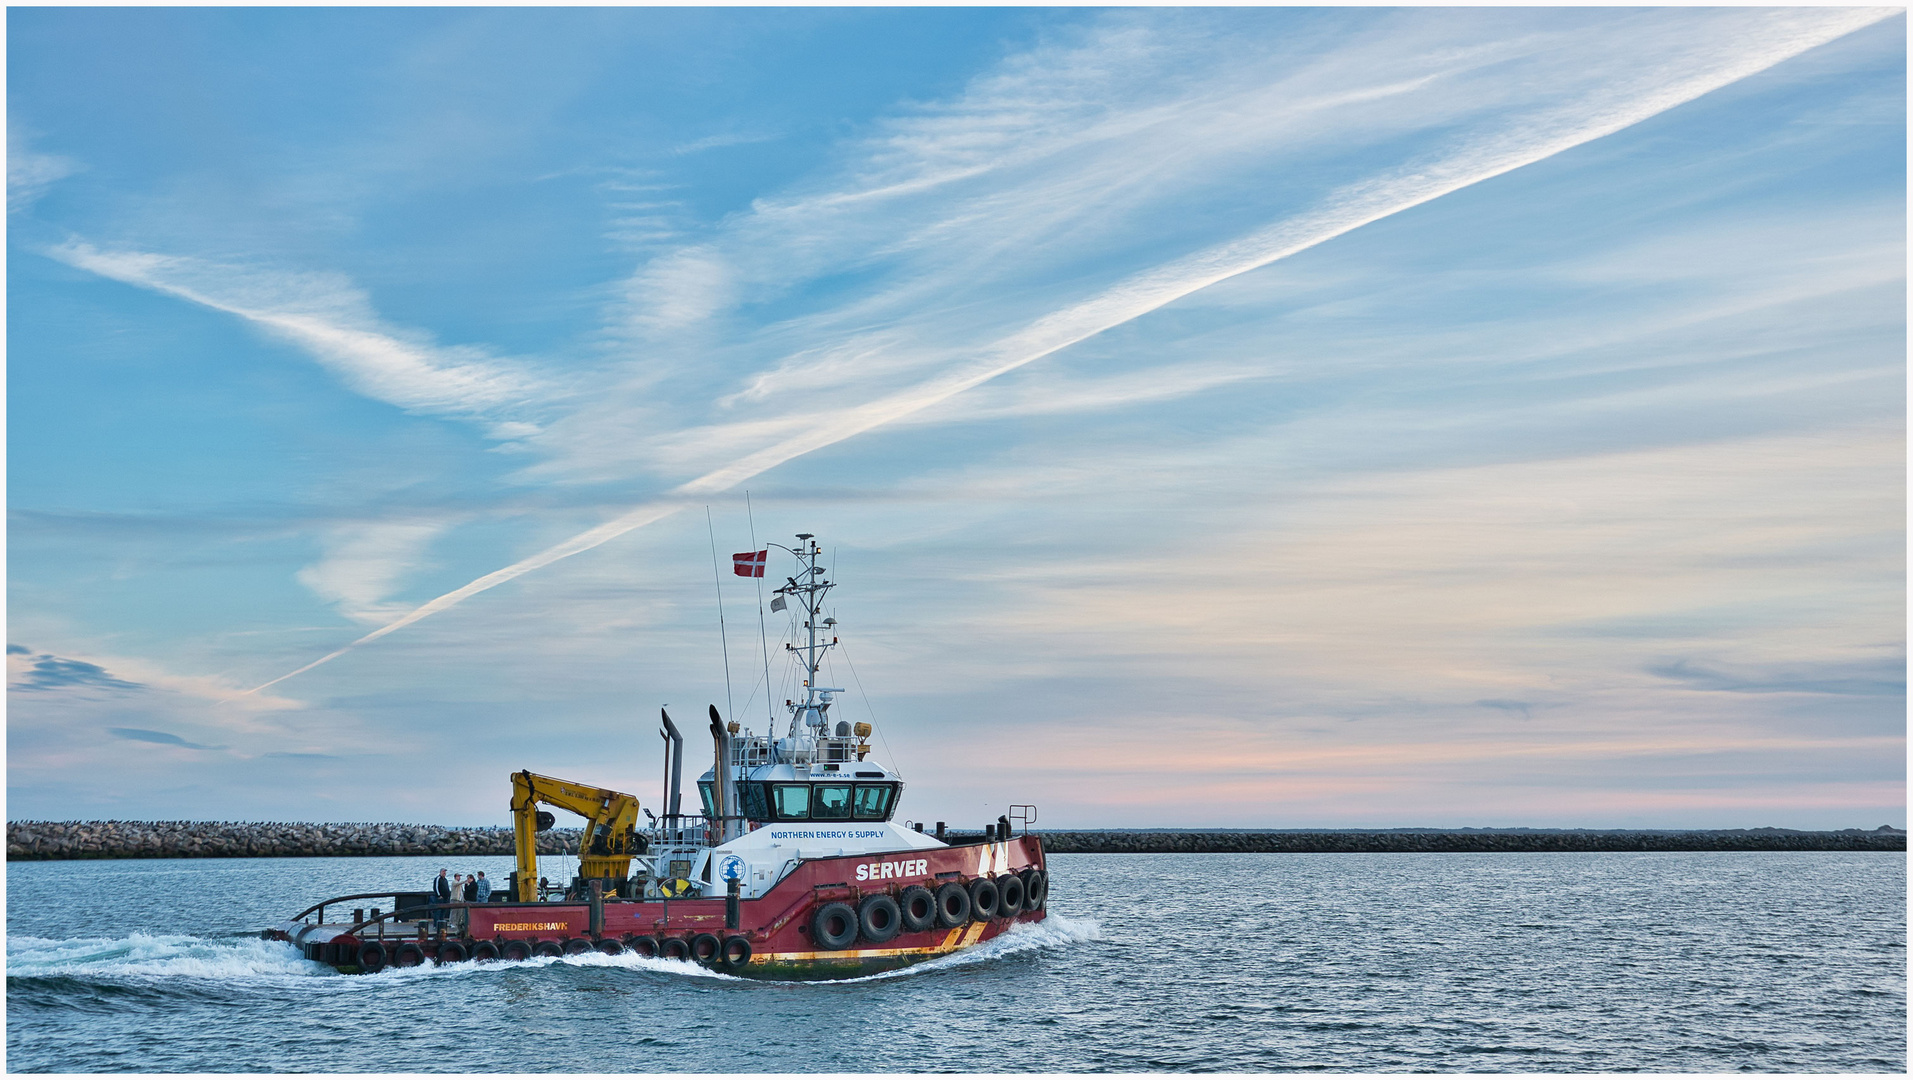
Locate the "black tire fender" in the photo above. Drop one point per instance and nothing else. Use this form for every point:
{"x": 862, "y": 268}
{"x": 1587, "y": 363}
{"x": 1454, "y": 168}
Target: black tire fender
{"x": 547, "y": 948}
{"x": 705, "y": 948}
{"x": 919, "y": 908}
{"x": 485, "y": 952}
{"x": 515, "y": 950}
{"x": 953, "y": 905}
{"x": 372, "y": 956}
{"x": 879, "y": 919}
{"x": 452, "y": 952}
{"x": 1009, "y": 896}
{"x": 643, "y": 944}
{"x": 610, "y": 946}
{"x": 983, "y": 899}
{"x": 834, "y": 926}
{"x": 1035, "y": 889}
{"x": 578, "y": 946}
{"x": 408, "y": 955}
{"x": 737, "y": 951}
{"x": 674, "y": 948}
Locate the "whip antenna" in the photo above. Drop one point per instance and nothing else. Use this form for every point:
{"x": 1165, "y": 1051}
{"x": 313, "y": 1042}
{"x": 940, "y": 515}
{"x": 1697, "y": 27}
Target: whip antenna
{"x": 717, "y": 580}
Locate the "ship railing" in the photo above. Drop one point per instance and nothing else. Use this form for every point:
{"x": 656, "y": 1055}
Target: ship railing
{"x": 320, "y": 907}
{"x": 680, "y": 832}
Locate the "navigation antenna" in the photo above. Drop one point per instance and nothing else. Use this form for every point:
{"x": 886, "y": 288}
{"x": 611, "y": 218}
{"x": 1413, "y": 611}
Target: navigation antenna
{"x": 808, "y": 588}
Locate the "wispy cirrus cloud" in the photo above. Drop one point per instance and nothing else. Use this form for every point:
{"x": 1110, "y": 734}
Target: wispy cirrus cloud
{"x": 332, "y": 320}
{"x": 1551, "y": 92}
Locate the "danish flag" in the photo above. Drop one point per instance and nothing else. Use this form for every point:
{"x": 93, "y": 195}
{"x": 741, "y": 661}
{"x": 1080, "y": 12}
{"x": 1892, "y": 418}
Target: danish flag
{"x": 749, "y": 563}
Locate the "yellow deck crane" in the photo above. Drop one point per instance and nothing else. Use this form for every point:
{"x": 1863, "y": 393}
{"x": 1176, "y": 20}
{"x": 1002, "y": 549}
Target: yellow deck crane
{"x": 610, "y": 837}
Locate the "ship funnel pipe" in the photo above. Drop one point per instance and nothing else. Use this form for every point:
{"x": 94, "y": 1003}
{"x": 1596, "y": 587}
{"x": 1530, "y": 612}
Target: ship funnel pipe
{"x": 675, "y": 793}
{"x": 723, "y": 791}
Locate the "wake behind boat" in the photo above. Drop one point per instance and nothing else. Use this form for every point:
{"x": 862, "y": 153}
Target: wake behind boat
{"x": 796, "y": 869}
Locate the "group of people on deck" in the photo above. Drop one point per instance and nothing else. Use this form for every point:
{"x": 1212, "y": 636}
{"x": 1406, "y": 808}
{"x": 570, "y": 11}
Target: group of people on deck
{"x": 473, "y": 889}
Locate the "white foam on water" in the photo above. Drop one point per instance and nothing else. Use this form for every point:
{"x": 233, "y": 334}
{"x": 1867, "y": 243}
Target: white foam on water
{"x": 1055, "y": 931}
{"x": 627, "y": 960}
{"x": 157, "y": 956}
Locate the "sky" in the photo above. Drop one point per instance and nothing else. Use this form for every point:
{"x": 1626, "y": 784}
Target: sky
{"x": 1275, "y": 418}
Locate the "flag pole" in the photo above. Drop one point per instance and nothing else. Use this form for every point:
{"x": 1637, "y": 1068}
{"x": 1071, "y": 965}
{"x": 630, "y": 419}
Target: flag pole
{"x": 717, "y": 581}
{"x": 763, "y": 636}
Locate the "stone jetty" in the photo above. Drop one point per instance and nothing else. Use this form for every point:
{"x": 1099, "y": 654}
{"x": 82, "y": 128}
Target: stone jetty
{"x": 222, "y": 839}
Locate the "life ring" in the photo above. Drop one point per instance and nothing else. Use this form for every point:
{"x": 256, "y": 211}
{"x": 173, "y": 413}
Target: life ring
{"x": 737, "y": 951}
{"x": 485, "y": 952}
{"x": 674, "y": 948}
{"x": 578, "y": 946}
{"x": 1009, "y": 896}
{"x": 834, "y": 926}
{"x": 1035, "y": 889}
{"x": 371, "y": 956}
{"x": 953, "y": 904}
{"x": 918, "y": 907}
{"x": 547, "y": 948}
{"x": 610, "y": 946}
{"x": 408, "y": 955}
{"x": 515, "y": 950}
{"x": 451, "y": 952}
{"x": 879, "y": 918}
{"x": 983, "y": 899}
{"x": 705, "y": 948}
{"x": 673, "y": 888}
{"x": 643, "y": 944}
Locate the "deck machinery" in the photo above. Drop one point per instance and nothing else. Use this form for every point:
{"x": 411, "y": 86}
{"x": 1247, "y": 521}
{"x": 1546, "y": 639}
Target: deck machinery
{"x": 795, "y": 868}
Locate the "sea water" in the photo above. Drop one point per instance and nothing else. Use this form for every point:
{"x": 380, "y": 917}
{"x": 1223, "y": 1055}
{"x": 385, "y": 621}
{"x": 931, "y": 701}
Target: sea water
{"x": 1529, "y": 962}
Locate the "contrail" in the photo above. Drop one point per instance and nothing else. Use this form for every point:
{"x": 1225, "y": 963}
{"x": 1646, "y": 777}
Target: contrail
{"x": 1344, "y": 211}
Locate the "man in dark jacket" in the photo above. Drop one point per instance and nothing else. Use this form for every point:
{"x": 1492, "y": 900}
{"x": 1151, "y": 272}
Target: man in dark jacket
{"x": 441, "y": 895}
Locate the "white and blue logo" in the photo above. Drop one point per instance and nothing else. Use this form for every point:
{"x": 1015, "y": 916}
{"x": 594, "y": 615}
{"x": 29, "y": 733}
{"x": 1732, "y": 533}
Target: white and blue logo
{"x": 731, "y": 869}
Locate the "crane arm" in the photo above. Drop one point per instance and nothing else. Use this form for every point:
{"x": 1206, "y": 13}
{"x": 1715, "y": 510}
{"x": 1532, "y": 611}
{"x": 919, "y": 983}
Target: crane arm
{"x": 610, "y": 836}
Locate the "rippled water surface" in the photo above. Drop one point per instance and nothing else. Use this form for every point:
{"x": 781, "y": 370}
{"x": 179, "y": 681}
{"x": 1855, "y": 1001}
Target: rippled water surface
{"x": 1712, "y": 961}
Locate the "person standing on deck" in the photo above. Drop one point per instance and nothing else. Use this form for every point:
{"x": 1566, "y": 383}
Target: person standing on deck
{"x": 441, "y": 893}
{"x": 470, "y": 895}
{"x": 483, "y": 890}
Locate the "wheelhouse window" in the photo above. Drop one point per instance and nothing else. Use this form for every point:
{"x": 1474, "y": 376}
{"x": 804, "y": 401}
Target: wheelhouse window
{"x": 873, "y": 801}
{"x": 832, "y": 802}
{"x": 710, "y": 804}
{"x": 756, "y": 807}
{"x": 791, "y": 801}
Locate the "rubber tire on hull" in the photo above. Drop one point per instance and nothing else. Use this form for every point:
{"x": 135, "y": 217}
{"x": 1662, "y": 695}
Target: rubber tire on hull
{"x": 408, "y": 955}
{"x": 547, "y": 948}
{"x": 705, "y": 948}
{"x": 372, "y": 956}
{"x": 485, "y": 952}
{"x": 736, "y": 953}
{"x": 1035, "y": 889}
{"x": 879, "y": 919}
{"x": 953, "y": 905}
{"x": 919, "y": 908}
{"x": 452, "y": 952}
{"x": 1009, "y": 896}
{"x": 674, "y": 948}
{"x": 578, "y": 946}
{"x": 983, "y": 897}
{"x": 515, "y": 950}
{"x": 610, "y": 946}
{"x": 834, "y": 926}
{"x": 643, "y": 944}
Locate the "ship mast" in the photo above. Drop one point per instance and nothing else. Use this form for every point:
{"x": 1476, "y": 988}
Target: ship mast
{"x": 808, "y": 588}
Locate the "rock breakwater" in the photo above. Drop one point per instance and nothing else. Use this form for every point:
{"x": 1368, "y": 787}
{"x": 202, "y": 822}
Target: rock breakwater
{"x": 227, "y": 839}
{"x": 1138, "y": 842}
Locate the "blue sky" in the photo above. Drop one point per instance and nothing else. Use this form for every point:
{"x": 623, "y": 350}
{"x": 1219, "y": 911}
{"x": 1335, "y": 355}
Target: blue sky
{"x": 1281, "y": 417}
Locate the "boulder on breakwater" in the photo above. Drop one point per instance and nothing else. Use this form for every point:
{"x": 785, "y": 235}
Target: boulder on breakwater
{"x": 225, "y": 839}
{"x": 229, "y": 839}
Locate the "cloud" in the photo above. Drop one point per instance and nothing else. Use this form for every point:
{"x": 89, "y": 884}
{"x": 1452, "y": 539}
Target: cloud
{"x": 48, "y": 672}
{"x": 160, "y": 737}
{"x": 363, "y": 563}
{"x": 1870, "y": 680}
{"x": 331, "y": 319}
{"x": 1611, "y": 84}
{"x": 29, "y": 172}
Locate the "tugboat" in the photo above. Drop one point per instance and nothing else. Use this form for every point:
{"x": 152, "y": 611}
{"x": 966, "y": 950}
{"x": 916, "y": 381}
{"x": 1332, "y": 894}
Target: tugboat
{"x": 796, "y": 869}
